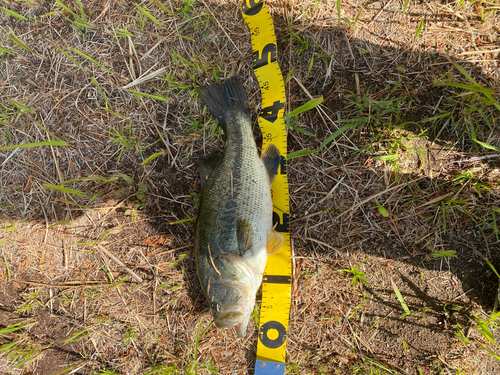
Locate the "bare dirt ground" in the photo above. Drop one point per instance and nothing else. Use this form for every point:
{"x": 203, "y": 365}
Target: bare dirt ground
{"x": 101, "y": 278}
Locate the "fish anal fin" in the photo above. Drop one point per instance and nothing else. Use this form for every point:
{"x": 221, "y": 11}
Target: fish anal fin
{"x": 271, "y": 159}
{"x": 244, "y": 235}
{"x": 274, "y": 242}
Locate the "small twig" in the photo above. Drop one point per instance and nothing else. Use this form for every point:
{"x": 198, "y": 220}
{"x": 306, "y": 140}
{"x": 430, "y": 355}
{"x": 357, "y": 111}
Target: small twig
{"x": 331, "y": 191}
{"x": 366, "y": 200}
{"x": 358, "y": 88}
{"x": 307, "y": 216}
{"x": 326, "y": 245}
{"x": 69, "y": 284}
{"x": 478, "y": 52}
{"x": 66, "y": 255}
{"x": 112, "y": 257}
{"x": 322, "y": 113}
{"x": 144, "y": 78}
{"x": 222, "y": 28}
{"x": 212, "y": 259}
{"x": 172, "y": 250}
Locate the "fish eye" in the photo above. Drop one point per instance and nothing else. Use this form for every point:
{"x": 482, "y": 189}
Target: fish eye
{"x": 215, "y": 307}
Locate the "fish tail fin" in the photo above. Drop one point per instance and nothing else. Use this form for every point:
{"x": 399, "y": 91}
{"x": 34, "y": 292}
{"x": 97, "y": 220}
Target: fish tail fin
{"x": 222, "y": 98}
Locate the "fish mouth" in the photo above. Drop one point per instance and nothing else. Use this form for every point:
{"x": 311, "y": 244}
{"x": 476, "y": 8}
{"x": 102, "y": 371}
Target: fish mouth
{"x": 228, "y": 320}
{"x": 231, "y": 316}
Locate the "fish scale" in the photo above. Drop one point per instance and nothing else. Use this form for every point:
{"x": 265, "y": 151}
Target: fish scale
{"x": 246, "y": 197}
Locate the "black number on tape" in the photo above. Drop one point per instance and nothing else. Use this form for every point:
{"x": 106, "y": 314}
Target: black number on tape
{"x": 268, "y": 56}
{"x": 271, "y": 113}
{"x": 264, "y": 338}
{"x": 282, "y": 165}
{"x": 252, "y": 7}
{"x": 281, "y": 226}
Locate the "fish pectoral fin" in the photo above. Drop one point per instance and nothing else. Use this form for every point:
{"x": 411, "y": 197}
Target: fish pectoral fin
{"x": 274, "y": 242}
{"x": 244, "y": 235}
{"x": 207, "y": 166}
{"x": 271, "y": 159}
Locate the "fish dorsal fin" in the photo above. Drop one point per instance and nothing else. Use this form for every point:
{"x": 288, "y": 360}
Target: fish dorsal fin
{"x": 271, "y": 159}
{"x": 207, "y": 166}
{"x": 244, "y": 235}
{"x": 274, "y": 242}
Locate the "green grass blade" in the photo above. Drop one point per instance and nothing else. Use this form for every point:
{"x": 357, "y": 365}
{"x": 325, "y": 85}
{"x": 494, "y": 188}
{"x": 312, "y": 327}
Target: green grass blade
{"x": 89, "y": 178}
{"x": 13, "y": 327}
{"x": 126, "y": 178}
{"x": 13, "y": 14}
{"x": 492, "y": 267}
{"x": 82, "y": 12}
{"x": 356, "y": 19}
{"x": 473, "y": 88}
{"x": 382, "y": 210}
{"x": 77, "y": 336}
{"x": 6, "y": 50}
{"x": 152, "y": 157}
{"x": 65, "y": 190}
{"x": 85, "y": 56}
{"x": 101, "y": 92}
{"x": 289, "y": 75}
{"x": 28, "y": 357}
{"x": 307, "y": 106}
{"x": 67, "y": 55}
{"x": 310, "y": 67}
{"x": 486, "y": 145}
{"x": 443, "y": 254}
{"x": 36, "y": 144}
{"x": 419, "y": 28}
{"x": 336, "y": 134}
{"x": 181, "y": 257}
{"x": 19, "y": 42}
{"x": 493, "y": 354}
{"x": 76, "y": 204}
{"x": 386, "y": 157}
{"x": 176, "y": 56}
{"x": 157, "y": 97}
{"x": 463, "y": 72}
{"x": 400, "y": 298}
{"x": 182, "y": 221}
{"x": 114, "y": 113}
{"x": 473, "y": 135}
{"x": 303, "y": 152}
{"x": 68, "y": 369}
{"x": 20, "y": 106}
{"x": 466, "y": 75}
{"x": 405, "y": 6}
{"x": 9, "y": 275}
{"x": 7, "y": 346}
{"x": 163, "y": 7}
{"x": 147, "y": 14}
{"x": 66, "y": 8}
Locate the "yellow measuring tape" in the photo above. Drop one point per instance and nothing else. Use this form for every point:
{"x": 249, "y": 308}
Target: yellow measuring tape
{"x": 276, "y": 284}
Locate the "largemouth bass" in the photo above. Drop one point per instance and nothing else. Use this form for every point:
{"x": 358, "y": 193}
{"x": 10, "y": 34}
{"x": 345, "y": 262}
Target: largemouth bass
{"x": 234, "y": 233}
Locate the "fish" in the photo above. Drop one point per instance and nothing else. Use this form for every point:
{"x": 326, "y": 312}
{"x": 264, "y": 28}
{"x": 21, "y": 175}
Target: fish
{"x": 234, "y": 234}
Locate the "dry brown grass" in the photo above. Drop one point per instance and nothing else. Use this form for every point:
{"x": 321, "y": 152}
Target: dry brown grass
{"x": 105, "y": 282}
